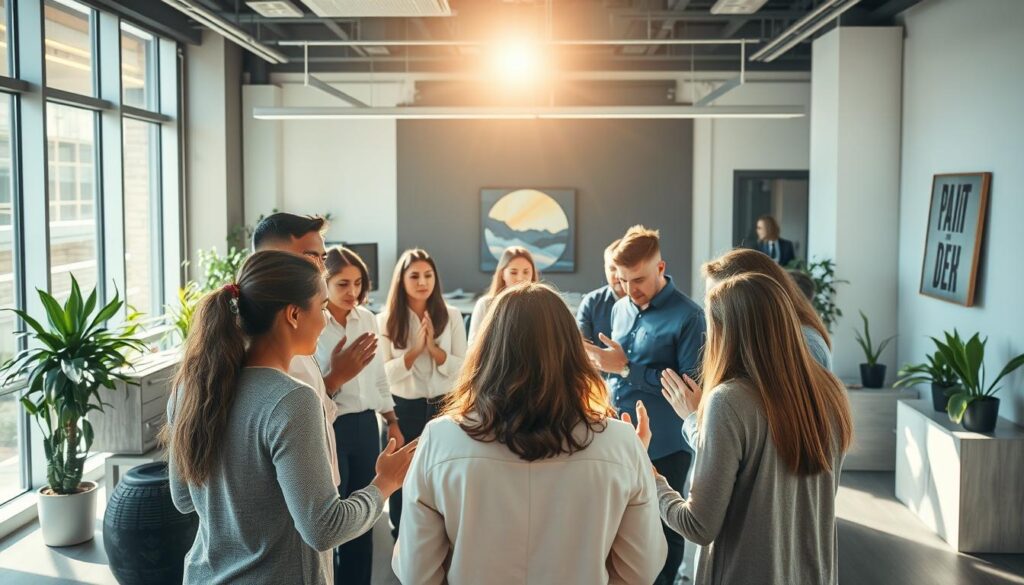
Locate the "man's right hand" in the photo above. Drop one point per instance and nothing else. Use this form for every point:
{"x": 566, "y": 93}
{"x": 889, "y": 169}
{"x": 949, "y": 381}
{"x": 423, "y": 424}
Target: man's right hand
{"x": 347, "y": 362}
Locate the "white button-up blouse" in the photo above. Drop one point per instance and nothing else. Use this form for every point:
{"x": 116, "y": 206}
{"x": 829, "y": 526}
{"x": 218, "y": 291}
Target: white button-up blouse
{"x": 425, "y": 379}
{"x": 369, "y": 390}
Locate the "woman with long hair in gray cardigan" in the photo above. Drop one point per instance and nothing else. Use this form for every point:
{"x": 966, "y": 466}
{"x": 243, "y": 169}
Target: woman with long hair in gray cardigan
{"x": 772, "y": 429}
{"x": 247, "y": 443}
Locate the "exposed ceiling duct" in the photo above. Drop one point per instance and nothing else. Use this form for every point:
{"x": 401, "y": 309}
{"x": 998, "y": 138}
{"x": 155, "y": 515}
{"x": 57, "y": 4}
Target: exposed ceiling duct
{"x": 228, "y": 30}
{"x": 803, "y": 28}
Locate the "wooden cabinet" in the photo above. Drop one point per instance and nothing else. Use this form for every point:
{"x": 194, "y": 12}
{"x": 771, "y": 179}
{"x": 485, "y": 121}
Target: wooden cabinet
{"x": 965, "y": 486}
{"x": 874, "y": 428}
{"x": 135, "y": 413}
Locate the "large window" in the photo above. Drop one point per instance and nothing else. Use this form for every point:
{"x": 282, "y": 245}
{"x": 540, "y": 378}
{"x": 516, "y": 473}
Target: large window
{"x": 71, "y": 147}
{"x": 5, "y": 66}
{"x": 138, "y": 68}
{"x": 89, "y": 162}
{"x": 69, "y": 47}
{"x": 141, "y": 217}
{"x": 10, "y": 411}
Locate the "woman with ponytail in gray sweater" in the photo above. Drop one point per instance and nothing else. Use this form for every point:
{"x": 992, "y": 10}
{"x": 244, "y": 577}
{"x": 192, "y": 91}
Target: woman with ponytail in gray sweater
{"x": 246, "y": 441}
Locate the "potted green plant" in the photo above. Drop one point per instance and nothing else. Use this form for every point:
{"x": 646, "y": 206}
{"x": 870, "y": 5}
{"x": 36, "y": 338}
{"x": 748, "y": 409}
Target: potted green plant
{"x": 74, "y": 357}
{"x": 935, "y": 371}
{"x": 823, "y": 273}
{"x": 872, "y": 373}
{"x": 973, "y": 403}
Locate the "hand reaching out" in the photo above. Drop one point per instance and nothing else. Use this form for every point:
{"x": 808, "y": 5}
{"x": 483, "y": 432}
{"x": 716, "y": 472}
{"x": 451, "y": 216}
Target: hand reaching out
{"x": 643, "y": 423}
{"x": 681, "y": 392}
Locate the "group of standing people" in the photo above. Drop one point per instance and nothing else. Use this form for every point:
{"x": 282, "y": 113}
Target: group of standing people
{"x": 540, "y": 449}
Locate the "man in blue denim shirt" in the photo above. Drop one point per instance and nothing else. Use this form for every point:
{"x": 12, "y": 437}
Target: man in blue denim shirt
{"x": 594, "y": 315}
{"x": 656, "y": 327}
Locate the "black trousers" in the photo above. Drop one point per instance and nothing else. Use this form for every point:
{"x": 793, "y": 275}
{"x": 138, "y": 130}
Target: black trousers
{"x": 412, "y": 415}
{"x": 674, "y": 467}
{"x": 358, "y": 445}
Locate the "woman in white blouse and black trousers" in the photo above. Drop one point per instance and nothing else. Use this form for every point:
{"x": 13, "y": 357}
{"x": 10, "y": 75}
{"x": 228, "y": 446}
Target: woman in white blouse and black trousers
{"x": 423, "y": 347}
{"x": 359, "y": 400}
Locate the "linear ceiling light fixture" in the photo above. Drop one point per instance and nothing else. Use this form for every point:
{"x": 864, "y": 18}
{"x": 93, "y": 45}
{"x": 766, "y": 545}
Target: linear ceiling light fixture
{"x": 545, "y": 113}
{"x": 228, "y": 30}
{"x": 801, "y": 29}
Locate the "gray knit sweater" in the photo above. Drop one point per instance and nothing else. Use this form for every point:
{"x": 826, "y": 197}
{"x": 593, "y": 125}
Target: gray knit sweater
{"x": 269, "y": 507}
{"x": 757, "y": 521}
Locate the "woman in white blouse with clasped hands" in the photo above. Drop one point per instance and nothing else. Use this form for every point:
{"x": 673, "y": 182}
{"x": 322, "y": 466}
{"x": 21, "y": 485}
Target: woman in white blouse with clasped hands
{"x": 423, "y": 346}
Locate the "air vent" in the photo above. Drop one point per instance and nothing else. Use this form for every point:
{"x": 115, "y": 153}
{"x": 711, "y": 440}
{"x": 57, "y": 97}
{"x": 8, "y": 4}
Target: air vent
{"x": 737, "y": 6}
{"x": 370, "y": 8}
{"x": 275, "y": 8}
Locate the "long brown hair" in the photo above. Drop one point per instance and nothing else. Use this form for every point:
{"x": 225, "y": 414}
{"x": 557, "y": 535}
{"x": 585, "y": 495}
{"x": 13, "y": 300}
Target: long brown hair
{"x": 754, "y": 335}
{"x": 510, "y": 254}
{"x": 397, "y": 327}
{"x": 771, "y": 227}
{"x": 744, "y": 261}
{"x": 527, "y": 383}
{"x": 338, "y": 258}
{"x": 215, "y": 352}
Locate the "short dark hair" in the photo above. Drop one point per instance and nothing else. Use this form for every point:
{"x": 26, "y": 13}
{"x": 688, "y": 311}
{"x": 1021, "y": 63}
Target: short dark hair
{"x": 338, "y": 258}
{"x": 285, "y": 226}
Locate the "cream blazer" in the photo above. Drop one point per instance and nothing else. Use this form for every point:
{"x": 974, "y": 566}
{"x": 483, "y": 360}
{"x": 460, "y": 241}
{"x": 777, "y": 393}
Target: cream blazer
{"x": 476, "y": 513}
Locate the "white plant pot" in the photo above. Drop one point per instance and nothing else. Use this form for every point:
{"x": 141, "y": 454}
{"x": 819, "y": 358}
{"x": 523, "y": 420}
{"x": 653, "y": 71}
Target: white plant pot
{"x": 68, "y": 519}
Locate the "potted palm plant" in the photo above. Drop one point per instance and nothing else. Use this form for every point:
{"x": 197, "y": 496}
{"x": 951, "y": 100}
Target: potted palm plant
{"x": 872, "y": 373}
{"x": 74, "y": 357}
{"x": 935, "y": 371}
{"x": 973, "y": 402}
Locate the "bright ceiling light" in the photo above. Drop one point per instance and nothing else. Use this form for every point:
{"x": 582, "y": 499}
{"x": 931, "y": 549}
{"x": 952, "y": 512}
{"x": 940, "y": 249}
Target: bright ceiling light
{"x": 542, "y": 113}
{"x": 517, "y": 62}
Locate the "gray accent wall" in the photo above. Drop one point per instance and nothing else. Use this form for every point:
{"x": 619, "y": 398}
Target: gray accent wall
{"x": 624, "y": 172}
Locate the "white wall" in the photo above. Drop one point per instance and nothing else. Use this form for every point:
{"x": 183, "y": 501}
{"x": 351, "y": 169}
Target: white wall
{"x": 213, "y": 179}
{"x": 963, "y": 92}
{"x": 724, "y": 146}
{"x": 344, "y": 167}
{"x": 854, "y": 181}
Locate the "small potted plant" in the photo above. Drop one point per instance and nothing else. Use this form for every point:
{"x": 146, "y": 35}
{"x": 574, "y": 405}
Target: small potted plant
{"x": 872, "y": 373}
{"x": 62, "y": 375}
{"x": 935, "y": 371}
{"x": 973, "y": 403}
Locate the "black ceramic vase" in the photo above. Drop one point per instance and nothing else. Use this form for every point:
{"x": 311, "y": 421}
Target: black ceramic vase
{"x": 939, "y": 397}
{"x": 872, "y": 376}
{"x": 981, "y": 415}
{"x": 145, "y": 536}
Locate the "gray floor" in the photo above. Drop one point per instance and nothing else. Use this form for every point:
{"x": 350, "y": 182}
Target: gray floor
{"x": 880, "y": 543}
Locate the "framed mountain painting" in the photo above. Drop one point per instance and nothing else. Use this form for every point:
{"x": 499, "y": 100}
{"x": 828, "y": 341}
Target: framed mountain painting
{"x": 541, "y": 220}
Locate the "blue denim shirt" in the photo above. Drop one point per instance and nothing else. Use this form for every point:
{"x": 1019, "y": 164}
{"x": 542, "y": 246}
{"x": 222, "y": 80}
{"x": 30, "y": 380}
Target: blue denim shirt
{"x": 668, "y": 334}
{"x": 595, "y": 314}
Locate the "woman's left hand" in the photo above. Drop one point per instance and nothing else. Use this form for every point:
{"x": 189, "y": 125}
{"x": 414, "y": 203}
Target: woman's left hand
{"x": 681, "y": 392}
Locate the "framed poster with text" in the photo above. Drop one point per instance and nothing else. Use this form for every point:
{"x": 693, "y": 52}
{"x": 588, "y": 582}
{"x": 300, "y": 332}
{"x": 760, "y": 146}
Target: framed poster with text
{"x": 952, "y": 248}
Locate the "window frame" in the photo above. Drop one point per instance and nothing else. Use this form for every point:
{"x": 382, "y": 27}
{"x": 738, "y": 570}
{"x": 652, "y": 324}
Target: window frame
{"x": 28, "y": 99}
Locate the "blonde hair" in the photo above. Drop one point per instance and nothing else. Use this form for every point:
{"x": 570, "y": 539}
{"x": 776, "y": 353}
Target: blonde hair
{"x": 510, "y": 254}
{"x": 754, "y": 335}
{"x": 744, "y": 261}
{"x": 528, "y": 383}
{"x": 639, "y": 244}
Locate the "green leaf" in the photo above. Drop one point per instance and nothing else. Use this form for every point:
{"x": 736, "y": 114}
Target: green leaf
{"x": 55, "y": 314}
{"x": 957, "y": 405}
{"x": 1008, "y": 369}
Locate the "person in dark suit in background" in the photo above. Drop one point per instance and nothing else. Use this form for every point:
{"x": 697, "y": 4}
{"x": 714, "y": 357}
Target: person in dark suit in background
{"x": 769, "y": 242}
